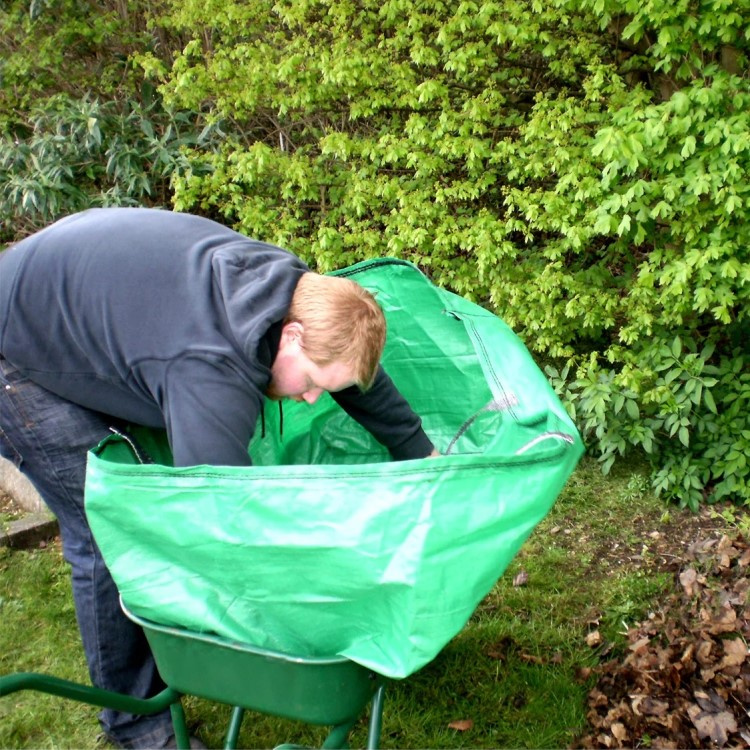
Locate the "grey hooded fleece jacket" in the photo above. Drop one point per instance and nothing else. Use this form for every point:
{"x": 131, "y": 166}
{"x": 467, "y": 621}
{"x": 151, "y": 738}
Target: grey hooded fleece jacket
{"x": 167, "y": 320}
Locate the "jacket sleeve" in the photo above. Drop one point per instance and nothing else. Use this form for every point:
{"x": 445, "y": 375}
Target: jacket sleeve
{"x": 385, "y": 413}
{"x": 210, "y": 413}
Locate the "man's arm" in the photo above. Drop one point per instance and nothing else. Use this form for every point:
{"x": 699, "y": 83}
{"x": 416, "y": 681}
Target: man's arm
{"x": 210, "y": 413}
{"x": 386, "y": 414}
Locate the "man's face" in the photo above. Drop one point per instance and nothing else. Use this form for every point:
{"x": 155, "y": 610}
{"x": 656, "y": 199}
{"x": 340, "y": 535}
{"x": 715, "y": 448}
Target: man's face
{"x": 294, "y": 375}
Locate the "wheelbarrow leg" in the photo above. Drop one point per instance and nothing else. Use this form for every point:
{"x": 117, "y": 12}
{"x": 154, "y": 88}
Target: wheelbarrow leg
{"x": 339, "y": 736}
{"x": 181, "y": 736}
{"x": 376, "y": 718}
{"x": 233, "y": 732}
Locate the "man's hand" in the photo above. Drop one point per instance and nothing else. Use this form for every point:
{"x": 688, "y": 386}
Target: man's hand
{"x": 435, "y": 452}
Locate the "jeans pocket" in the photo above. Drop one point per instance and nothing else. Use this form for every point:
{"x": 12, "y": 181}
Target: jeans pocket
{"x": 10, "y": 380}
{"x": 9, "y": 373}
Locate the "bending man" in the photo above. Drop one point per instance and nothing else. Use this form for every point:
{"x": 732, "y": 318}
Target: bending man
{"x": 168, "y": 320}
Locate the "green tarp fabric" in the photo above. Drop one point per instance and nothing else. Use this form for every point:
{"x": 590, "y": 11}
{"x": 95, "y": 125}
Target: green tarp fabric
{"x": 325, "y": 547}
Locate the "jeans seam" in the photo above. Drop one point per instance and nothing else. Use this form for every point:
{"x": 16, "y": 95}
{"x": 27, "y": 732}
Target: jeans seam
{"x": 97, "y": 667}
{"x": 16, "y": 458}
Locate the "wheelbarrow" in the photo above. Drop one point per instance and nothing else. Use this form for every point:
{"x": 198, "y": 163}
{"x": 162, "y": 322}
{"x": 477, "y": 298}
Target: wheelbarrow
{"x": 330, "y": 692}
{"x": 402, "y": 552}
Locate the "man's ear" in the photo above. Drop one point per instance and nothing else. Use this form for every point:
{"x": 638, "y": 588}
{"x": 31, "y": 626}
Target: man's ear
{"x": 291, "y": 332}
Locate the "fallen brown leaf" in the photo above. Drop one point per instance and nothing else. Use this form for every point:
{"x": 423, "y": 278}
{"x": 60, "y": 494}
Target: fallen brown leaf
{"x": 703, "y": 655}
{"x": 640, "y": 645}
{"x": 723, "y": 621}
{"x": 461, "y": 725}
{"x": 583, "y": 673}
{"x": 645, "y": 705}
{"x": 619, "y": 732}
{"x": 710, "y": 700}
{"x": 521, "y": 579}
{"x": 735, "y": 653}
{"x": 715, "y": 727}
{"x": 689, "y": 579}
{"x": 530, "y": 658}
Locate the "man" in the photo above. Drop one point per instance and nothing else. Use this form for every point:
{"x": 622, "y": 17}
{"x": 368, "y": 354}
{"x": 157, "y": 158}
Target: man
{"x": 168, "y": 320}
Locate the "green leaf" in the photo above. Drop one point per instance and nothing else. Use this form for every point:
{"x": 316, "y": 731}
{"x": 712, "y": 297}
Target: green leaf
{"x": 708, "y": 399}
{"x": 708, "y": 351}
{"x": 688, "y": 148}
{"x": 632, "y": 409}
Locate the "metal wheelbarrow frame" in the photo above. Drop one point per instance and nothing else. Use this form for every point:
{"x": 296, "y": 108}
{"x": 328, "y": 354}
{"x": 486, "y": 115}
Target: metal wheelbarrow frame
{"x": 322, "y": 691}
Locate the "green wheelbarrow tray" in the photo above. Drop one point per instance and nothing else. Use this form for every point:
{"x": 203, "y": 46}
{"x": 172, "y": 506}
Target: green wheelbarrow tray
{"x": 325, "y": 691}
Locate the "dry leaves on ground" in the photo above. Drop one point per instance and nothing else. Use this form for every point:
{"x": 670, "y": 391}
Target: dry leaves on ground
{"x": 685, "y": 681}
{"x": 461, "y": 725}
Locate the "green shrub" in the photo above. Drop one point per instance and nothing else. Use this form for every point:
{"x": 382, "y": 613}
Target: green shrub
{"x": 661, "y": 238}
{"x": 78, "y": 125}
{"x": 71, "y": 47}
{"x": 82, "y": 153}
{"x": 650, "y": 253}
{"x": 579, "y": 166}
{"x": 358, "y": 134}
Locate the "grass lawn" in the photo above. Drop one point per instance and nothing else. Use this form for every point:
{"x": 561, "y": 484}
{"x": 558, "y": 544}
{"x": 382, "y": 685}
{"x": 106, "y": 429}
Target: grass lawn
{"x": 513, "y": 678}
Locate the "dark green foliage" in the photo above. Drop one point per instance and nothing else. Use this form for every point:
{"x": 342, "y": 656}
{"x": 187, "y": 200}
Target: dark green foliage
{"x": 580, "y": 166}
{"x": 83, "y": 153}
{"x": 74, "y": 47}
{"x": 79, "y": 126}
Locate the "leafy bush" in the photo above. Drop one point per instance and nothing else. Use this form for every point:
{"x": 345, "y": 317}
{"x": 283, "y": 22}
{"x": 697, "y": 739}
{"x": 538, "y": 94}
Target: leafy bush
{"x": 83, "y": 153}
{"x": 78, "y": 124}
{"x": 71, "y": 47}
{"x": 370, "y": 132}
{"x": 580, "y": 166}
{"x": 665, "y": 293}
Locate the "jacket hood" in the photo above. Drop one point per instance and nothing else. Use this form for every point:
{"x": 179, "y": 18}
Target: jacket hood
{"x": 256, "y": 282}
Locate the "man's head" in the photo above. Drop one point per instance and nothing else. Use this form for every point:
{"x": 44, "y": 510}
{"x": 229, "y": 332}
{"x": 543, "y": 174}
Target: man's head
{"x": 332, "y": 338}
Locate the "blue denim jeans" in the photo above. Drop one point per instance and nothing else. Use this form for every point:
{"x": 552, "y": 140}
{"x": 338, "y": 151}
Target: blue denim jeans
{"x": 47, "y": 438}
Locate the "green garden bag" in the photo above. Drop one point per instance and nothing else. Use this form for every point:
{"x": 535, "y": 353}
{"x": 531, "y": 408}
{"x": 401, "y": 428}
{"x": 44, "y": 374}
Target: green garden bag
{"x": 326, "y": 547}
